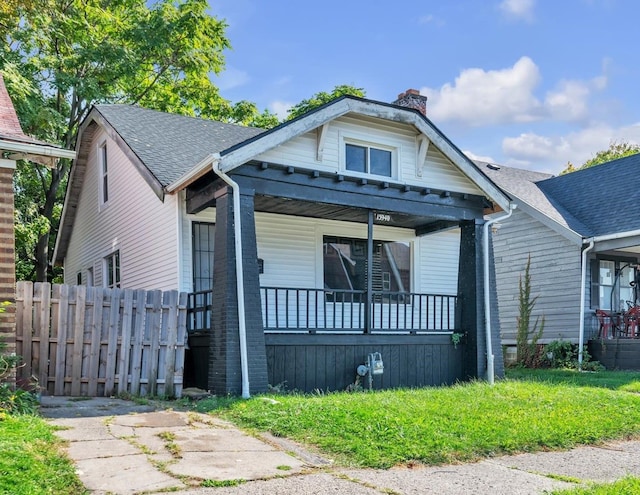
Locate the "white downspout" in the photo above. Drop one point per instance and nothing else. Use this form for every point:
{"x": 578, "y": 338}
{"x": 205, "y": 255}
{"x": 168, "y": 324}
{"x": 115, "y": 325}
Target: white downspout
{"x": 582, "y": 294}
{"x": 487, "y": 299}
{"x": 242, "y": 325}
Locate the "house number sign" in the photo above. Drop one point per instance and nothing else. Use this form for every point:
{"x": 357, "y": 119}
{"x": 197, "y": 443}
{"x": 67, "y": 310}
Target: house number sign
{"x": 382, "y": 217}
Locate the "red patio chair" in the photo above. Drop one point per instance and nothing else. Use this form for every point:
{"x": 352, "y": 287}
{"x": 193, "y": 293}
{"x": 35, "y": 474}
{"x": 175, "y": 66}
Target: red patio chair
{"x": 630, "y": 320}
{"x": 608, "y": 325}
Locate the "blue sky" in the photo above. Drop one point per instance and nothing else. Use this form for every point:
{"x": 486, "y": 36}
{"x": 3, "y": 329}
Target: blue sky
{"x": 527, "y": 83}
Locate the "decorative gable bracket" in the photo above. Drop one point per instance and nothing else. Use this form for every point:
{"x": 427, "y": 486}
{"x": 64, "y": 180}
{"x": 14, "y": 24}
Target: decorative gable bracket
{"x": 321, "y": 138}
{"x": 423, "y": 148}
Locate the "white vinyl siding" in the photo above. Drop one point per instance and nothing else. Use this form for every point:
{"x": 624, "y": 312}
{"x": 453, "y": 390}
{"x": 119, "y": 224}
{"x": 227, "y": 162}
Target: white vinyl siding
{"x": 555, "y": 277}
{"x": 439, "y": 254}
{"x": 136, "y": 223}
{"x": 437, "y": 173}
{"x": 291, "y": 248}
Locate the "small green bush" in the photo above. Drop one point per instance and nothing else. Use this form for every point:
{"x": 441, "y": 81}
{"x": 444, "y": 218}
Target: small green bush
{"x": 13, "y": 400}
{"x": 564, "y": 355}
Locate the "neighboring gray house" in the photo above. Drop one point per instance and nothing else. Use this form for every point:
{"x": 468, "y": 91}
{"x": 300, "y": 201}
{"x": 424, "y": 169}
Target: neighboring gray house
{"x": 361, "y": 232}
{"x": 591, "y": 215}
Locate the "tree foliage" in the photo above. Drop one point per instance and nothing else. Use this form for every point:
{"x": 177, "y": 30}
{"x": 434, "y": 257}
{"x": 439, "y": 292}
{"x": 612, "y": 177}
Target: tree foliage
{"x": 617, "y": 149}
{"x": 62, "y": 56}
{"x": 323, "y": 97}
{"x": 527, "y": 336}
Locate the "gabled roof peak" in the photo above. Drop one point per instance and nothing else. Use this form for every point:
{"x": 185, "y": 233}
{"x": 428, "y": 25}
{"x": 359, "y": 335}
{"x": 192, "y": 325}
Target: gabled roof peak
{"x": 9, "y": 123}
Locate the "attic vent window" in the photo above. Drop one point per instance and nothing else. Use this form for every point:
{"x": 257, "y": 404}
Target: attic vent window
{"x": 368, "y": 160}
{"x": 492, "y": 166}
{"x": 104, "y": 182}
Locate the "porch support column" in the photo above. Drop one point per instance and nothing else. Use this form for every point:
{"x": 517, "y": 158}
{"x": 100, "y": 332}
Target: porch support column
{"x": 224, "y": 349}
{"x": 369, "y": 297}
{"x": 470, "y": 314}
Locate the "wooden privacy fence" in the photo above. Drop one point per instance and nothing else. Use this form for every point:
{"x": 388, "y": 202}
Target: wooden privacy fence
{"x": 92, "y": 341}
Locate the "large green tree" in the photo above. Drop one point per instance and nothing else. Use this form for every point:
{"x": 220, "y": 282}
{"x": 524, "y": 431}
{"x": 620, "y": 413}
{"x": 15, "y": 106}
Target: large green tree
{"x": 323, "y": 97}
{"x": 613, "y": 152}
{"x": 59, "y": 57}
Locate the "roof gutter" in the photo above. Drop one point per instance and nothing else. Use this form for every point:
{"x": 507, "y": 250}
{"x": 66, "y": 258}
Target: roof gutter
{"x": 195, "y": 173}
{"x": 591, "y": 241}
{"x": 242, "y": 325}
{"x": 36, "y": 149}
{"x": 487, "y": 300}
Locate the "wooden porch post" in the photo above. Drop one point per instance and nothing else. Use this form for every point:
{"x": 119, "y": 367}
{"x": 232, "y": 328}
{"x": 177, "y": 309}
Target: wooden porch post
{"x": 224, "y": 348}
{"x": 471, "y": 298}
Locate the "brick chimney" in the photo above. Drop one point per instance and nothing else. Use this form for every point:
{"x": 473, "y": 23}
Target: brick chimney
{"x": 412, "y": 98}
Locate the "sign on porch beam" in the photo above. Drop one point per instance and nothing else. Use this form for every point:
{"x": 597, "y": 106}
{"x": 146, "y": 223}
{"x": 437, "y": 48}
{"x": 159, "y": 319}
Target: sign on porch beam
{"x": 380, "y": 216}
{"x": 423, "y": 148}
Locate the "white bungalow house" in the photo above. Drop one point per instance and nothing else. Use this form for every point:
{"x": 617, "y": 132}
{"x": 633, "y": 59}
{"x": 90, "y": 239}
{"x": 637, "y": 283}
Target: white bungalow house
{"x": 582, "y": 232}
{"x": 359, "y": 228}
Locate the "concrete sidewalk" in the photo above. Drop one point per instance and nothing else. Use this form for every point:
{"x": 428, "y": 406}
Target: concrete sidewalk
{"x": 119, "y": 447}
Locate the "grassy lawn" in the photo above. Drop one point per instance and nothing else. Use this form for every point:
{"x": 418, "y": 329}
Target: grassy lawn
{"x": 625, "y": 486}
{"x": 30, "y": 460}
{"x": 533, "y": 410}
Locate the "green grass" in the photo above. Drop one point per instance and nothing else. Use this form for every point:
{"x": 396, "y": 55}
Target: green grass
{"x": 461, "y": 423}
{"x": 625, "y": 486}
{"x": 616, "y": 380}
{"x": 30, "y": 460}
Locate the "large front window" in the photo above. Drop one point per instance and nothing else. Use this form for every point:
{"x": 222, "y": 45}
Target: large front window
{"x": 345, "y": 265}
{"x": 612, "y": 284}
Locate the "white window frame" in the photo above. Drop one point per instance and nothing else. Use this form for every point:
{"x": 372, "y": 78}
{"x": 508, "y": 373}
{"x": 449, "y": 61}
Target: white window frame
{"x": 365, "y": 141}
{"x": 117, "y": 270}
{"x": 103, "y": 182}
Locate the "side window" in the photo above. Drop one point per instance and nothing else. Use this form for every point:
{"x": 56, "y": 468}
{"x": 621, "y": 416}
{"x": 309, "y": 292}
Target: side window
{"x": 79, "y": 278}
{"x": 104, "y": 174}
{"x": 112, "y": 270}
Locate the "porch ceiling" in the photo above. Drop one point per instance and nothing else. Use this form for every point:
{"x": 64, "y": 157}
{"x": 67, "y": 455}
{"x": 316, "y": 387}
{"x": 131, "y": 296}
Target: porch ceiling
{"x": 284, "y": 206}
{"x": 318, "y": 194}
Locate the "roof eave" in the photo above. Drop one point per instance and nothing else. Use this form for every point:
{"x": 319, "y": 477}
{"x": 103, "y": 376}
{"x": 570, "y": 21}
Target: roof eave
{"x": 39, "y": 153}
{"x": 242, "y": 154}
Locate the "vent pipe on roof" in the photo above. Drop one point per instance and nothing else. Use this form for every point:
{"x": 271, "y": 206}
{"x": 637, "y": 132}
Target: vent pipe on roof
{"x": 412, "y": 98}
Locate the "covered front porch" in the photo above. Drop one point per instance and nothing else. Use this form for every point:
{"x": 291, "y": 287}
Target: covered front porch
{"x": 364, "y": 274}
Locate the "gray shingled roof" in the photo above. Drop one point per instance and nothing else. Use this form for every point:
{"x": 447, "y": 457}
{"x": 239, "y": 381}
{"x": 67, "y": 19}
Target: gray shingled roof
{"x": 523, "y": 185}
{"x": 171, "y": 145}
{"x": 606, "y": 197}
{"x": 596, "y": 201}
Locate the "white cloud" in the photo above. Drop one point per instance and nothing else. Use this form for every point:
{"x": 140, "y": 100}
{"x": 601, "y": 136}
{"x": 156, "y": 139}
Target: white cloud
{"x": 518, "y": 9}
{"x": 551, "y": 153}
{"x": 231, "y": 78}
{"x": 480, "y": 97}
{"x": 570, "y": 100}
{"x": 280, "y": 108}
{"x": 431, "y": 19}
{"x": 471, "y": 155}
